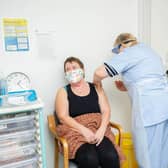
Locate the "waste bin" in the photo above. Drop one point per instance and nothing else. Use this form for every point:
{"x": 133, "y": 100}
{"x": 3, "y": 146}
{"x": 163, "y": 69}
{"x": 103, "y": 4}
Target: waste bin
{"x": 128, "y": 150}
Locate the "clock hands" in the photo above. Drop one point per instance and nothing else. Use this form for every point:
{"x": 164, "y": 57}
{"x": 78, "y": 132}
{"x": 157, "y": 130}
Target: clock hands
{"x": 19, "y": 83}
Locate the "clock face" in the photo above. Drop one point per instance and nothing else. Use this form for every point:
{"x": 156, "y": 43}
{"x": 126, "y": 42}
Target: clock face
{"x": 18, "y": 81}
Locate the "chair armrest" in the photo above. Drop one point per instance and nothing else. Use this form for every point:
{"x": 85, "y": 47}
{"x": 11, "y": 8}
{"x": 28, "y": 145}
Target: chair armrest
{"x": 52, "y": 128}
{"x": 119, "y": 129}
{"x": 52, "y": 125}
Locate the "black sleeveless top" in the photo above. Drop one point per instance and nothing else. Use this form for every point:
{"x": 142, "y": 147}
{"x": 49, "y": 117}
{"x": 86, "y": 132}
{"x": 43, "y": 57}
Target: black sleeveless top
{"x": 79, "y": 105}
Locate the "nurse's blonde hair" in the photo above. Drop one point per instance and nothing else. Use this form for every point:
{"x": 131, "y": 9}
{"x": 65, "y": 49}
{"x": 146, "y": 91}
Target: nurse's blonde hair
{"x": 125, "y": 39}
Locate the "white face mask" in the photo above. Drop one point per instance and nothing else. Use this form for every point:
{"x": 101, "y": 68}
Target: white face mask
{"x": 75, "y": 75}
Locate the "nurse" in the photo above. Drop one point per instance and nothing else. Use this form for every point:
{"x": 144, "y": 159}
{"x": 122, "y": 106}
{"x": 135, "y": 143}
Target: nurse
{"x": 144, "y": 79}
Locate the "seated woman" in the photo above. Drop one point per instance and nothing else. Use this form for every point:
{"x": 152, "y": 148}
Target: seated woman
{"x": 84, "y": 113}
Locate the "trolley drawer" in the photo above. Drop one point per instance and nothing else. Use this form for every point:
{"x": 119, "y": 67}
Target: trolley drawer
{"x": 16, "y": 124}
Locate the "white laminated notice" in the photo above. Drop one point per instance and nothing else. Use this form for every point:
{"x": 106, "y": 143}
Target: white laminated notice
{"x": 18, "y": 100}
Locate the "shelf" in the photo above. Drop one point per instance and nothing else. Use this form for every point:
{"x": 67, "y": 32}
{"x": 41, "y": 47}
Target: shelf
{"x": 16, "y": 119}
{"x": 13, "y": 109}
{"x": 17, "y": 134}
{"x": 16, "y": 146}
{"x": 21, "y": 164}
{"x": 8, "y": 144}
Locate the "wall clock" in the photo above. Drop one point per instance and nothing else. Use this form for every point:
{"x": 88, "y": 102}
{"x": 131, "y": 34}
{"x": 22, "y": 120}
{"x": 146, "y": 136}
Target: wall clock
{"x": 19, "y": 89}
{"x": 18, "y": 81}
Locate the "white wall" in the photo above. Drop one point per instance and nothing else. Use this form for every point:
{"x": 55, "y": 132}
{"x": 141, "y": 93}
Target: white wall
{"x": 159, "y": 27}
{"x": 85, "y": 29}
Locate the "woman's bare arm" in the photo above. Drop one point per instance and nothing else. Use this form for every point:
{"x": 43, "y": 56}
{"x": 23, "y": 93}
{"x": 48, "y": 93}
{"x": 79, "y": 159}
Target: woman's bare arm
{"x": 99, "y": 74}
{"x": 105, "y": 110}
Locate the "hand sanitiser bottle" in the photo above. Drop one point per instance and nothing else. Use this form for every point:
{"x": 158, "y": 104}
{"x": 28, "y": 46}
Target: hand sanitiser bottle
{"x": 3, "y": 85}
{"x": 3, "y": 89}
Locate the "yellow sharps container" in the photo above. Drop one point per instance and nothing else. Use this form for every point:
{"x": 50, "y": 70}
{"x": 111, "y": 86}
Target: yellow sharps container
{"x": 128, "y": 150}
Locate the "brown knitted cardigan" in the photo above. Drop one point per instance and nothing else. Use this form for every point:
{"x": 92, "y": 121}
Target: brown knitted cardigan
{"x": 75, "y": 139}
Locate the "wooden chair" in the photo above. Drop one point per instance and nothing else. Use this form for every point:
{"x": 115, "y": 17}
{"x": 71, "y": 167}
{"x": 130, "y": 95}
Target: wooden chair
{"x": 52, "y": 123}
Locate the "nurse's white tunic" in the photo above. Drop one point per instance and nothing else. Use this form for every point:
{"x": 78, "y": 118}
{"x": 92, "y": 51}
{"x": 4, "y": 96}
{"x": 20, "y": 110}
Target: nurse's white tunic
{"x": 144, "y": 77}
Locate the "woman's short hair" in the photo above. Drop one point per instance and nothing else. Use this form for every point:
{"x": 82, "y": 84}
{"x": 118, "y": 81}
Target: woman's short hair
{"x": 73, "y": 59}
{"x": 125, "y": 38}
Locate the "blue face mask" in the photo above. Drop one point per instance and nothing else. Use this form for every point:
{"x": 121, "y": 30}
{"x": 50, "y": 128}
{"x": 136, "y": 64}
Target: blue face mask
{"x": 116, "y": 49}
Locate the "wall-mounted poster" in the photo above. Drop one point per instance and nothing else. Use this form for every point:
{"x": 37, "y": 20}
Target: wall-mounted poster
{"x": 15, "y": 34}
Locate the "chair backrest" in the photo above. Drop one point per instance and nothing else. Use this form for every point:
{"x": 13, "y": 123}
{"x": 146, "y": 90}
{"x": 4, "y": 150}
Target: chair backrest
{"x": 51, "y": 124}
{"x": 57, "y": 121}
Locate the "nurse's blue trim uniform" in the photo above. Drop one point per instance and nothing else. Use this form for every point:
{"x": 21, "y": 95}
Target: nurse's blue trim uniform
{"x": 144, "y": 77}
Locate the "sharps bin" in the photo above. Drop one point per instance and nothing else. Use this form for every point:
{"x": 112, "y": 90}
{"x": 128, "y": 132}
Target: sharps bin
{"x": 128, "y": 150}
